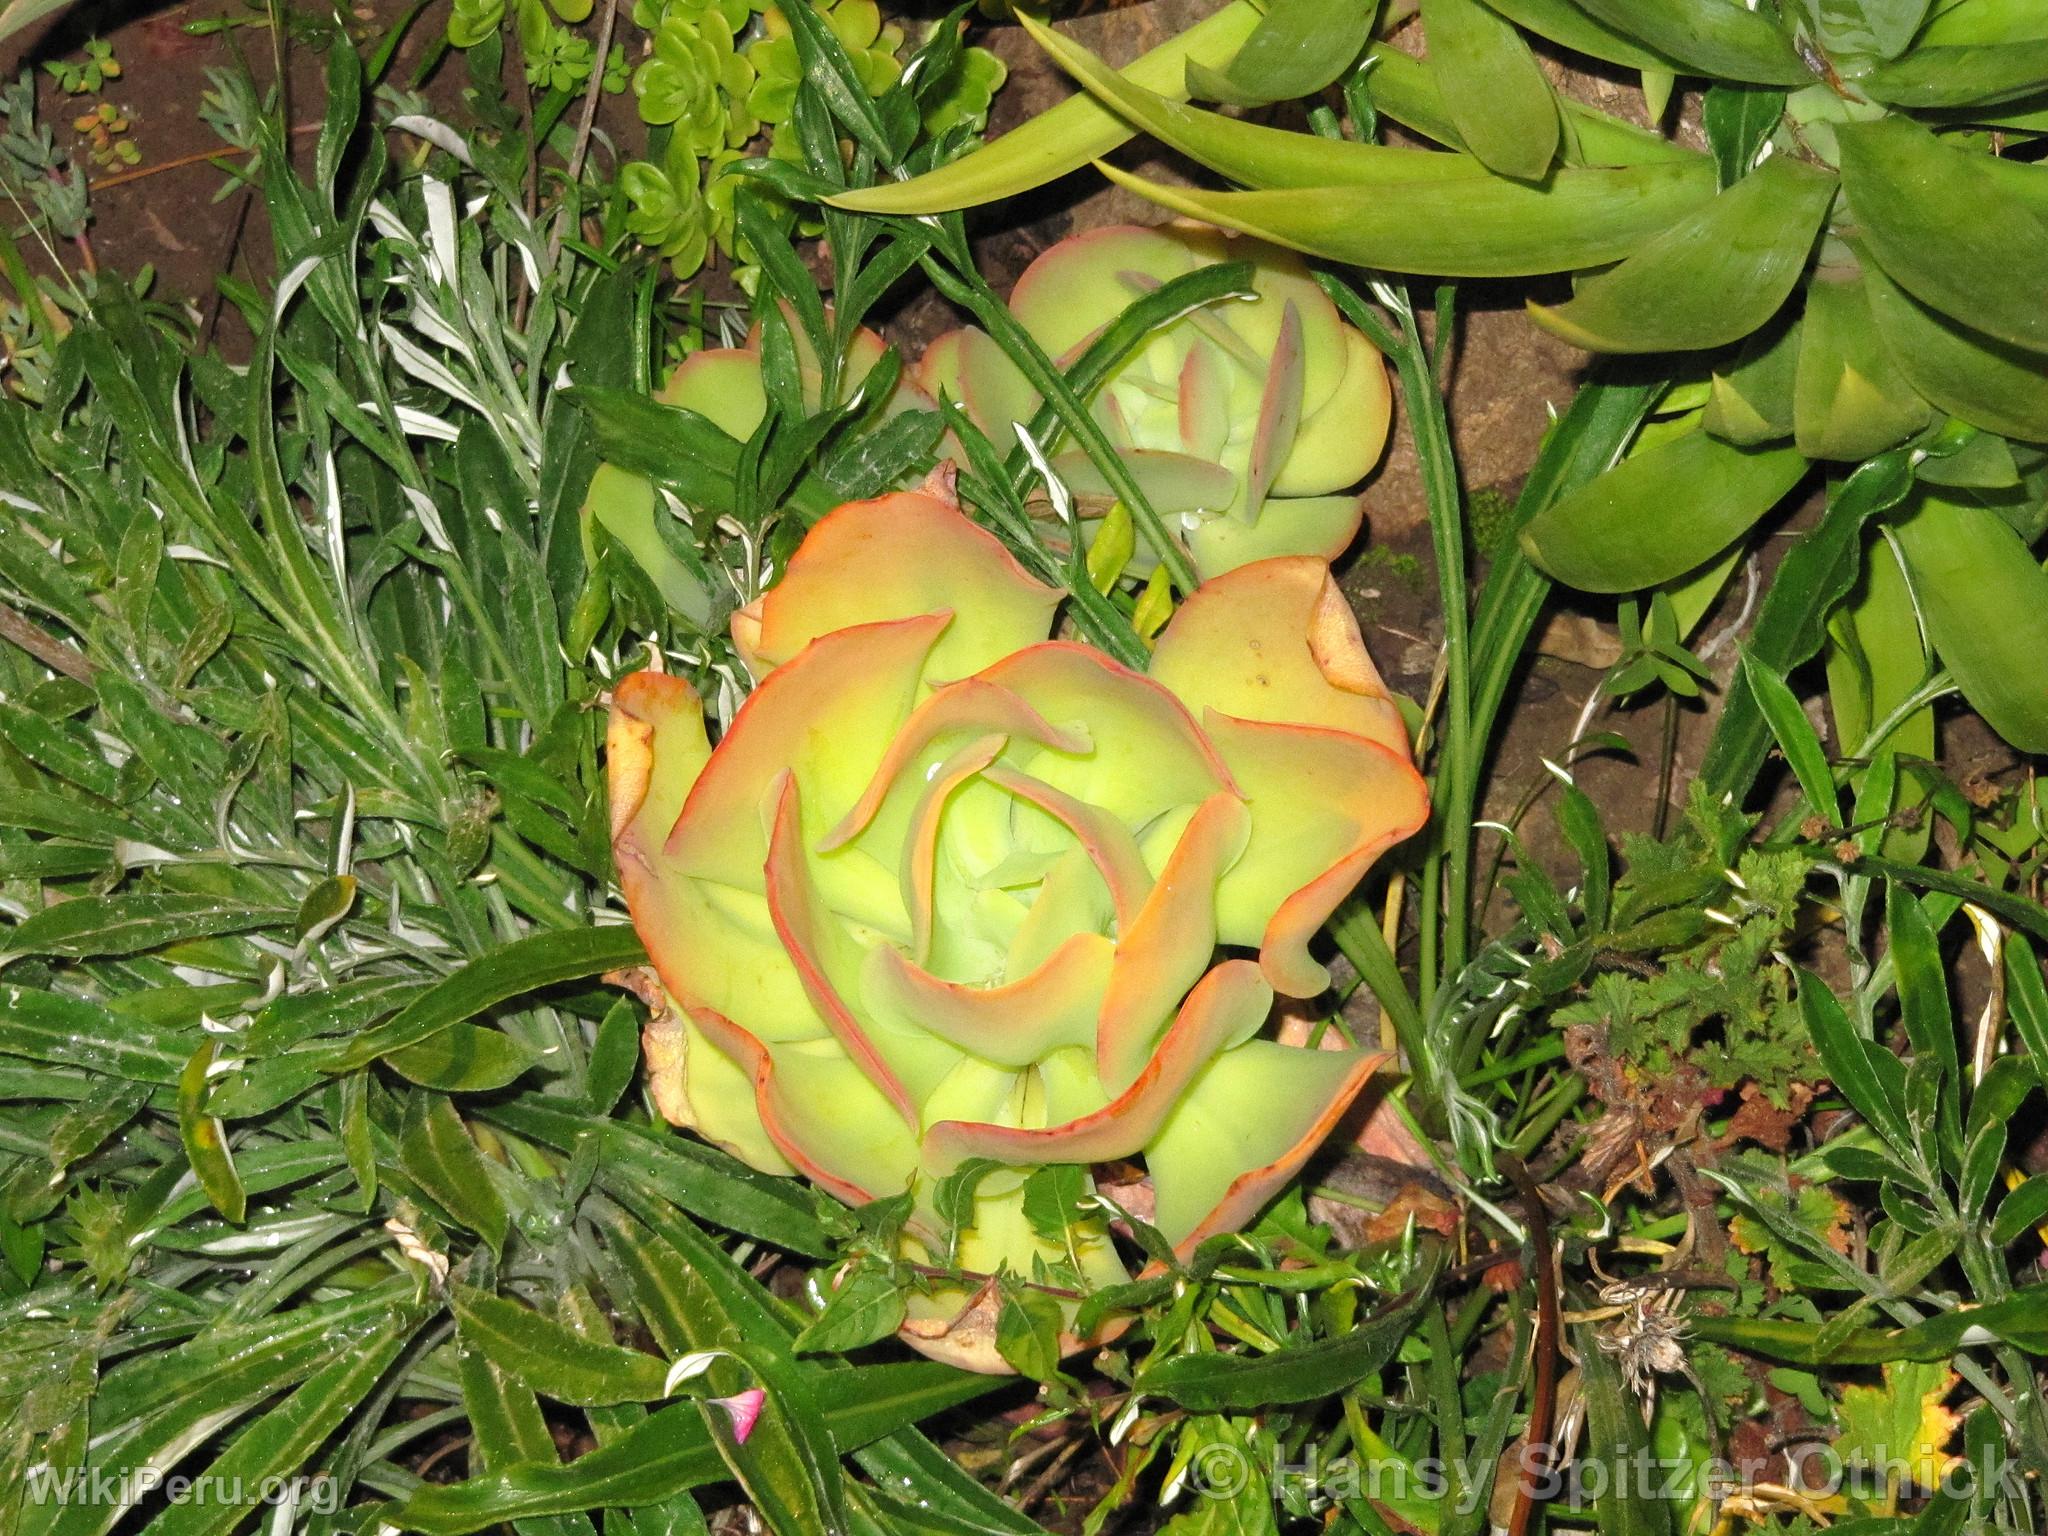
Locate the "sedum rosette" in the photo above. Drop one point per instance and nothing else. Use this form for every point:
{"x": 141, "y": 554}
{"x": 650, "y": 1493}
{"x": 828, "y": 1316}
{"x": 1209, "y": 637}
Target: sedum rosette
{"x": 947, "y": 890}
{"x": 1250, "y": 421}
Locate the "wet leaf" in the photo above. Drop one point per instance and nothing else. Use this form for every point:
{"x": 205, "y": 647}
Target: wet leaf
{"x": 553, "y": 1360}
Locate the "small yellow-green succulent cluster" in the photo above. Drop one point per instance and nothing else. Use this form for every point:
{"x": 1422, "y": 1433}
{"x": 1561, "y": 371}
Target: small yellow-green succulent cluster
{"x": 721, "y": 77}
{"x": 948, "y": 891}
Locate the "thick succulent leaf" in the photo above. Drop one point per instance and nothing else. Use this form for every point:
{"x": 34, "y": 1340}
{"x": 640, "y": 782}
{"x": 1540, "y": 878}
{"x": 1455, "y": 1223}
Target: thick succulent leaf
{"x": 699, "y": 1085}
{"x": 973, "y": 706}
{"x": 626, "y": 506}
{"x": 1242, "y": 1129}
{"x": 1405, "y": 89}
{"x": 1985, "y": 601}
{"x": 1277, "y": 642}
{"x": 823, "y": 1113}
{"x": 1719, "y": 39}
{"x": 1013, "y": 1025}
{"x": 1298, "y": 48}
{"x": 970, "y": 368}
{"x": 723, "y": 385}
{"x": 1248, "y": 152}
{"x": 1659, "y": 513}
{"x": 1176, "y": 482}
{"x": 1063, "y": 139}
{"x": 656, "y": 719}
{"x": 1325, "y": 805}
{"x": 1101, "y": 834}
{"x": 1147, "y": 755}
{"x": 1986, "y": 382}
{"x": 1460, "y": 227}
{"x": 1712, "y": 278}
{"x": 1168, "y": 945}
{"x": 1319, "y": 526}
{"x": 1224, "y": 1008}
{"x": 1279, "y": 414}
{"x": 1947, "y": 230}
{"x": 1850, "y": 400}
{"x": 895, "y": 558}
{"x": 1340, "y": 439}
{"x": 919, "y": 859}
{"x": 827, "y": 717}
{"x": 1496, "y": 93}
{"x": 902, "y": 1063}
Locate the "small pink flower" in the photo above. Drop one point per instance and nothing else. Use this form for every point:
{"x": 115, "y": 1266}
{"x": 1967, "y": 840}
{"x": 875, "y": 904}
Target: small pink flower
{"x": 743, "y": 1408}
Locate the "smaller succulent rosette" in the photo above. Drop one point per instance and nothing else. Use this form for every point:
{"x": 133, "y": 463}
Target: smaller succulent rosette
{"x": 1249, "y": 422}
{"x": 947, "y": 890}
{"x": 725, "y": 386}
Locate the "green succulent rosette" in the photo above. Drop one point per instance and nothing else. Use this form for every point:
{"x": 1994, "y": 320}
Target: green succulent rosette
{"x": 966, "y": 92}
{"x": 948, "y": 891}
{"x": 778, "y": 69}
{"x": 696, "y": 80}
{"x": 724, "y": 384}
{"x": 1248, "y": 423}
{"x": 667, "y": 210}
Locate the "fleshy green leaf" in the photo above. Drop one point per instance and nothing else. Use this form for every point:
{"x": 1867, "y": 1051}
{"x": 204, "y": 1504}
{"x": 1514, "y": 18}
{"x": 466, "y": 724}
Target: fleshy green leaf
{"x": 1716, "y": 38}
{"x": 1060, "y": 140}
{"x": 1984, "y": 598}
{"x": 1984, "y": 381}
{"x": 1849, "y": 399}
{"x": 1659, "y": 512}
{"x": 1496, "y": 93}
{"x": 1717, "y": 274}
{"x": 1946, "y": 230}
{"x": 1298, "y": 48}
